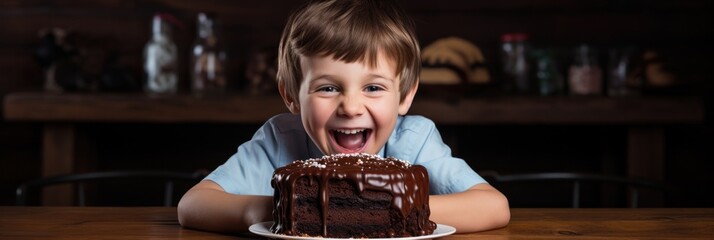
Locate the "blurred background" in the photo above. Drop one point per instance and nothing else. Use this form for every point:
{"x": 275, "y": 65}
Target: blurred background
{"x": 567, "y": 86}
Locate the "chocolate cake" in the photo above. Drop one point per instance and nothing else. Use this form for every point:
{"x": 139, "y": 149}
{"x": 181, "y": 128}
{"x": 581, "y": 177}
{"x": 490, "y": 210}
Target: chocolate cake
{"x": 351, "y": 196}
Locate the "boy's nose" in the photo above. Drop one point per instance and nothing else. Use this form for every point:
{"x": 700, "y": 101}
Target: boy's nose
{"x": 351, "y": 107}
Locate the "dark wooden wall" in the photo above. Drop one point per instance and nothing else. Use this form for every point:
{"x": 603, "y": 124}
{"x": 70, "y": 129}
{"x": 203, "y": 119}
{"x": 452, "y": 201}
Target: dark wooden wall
{"x": 681, "y": 30}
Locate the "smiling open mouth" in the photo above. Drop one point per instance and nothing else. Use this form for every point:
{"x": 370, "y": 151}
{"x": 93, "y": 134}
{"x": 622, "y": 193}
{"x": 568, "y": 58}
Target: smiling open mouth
{"x": 351, "y": 139}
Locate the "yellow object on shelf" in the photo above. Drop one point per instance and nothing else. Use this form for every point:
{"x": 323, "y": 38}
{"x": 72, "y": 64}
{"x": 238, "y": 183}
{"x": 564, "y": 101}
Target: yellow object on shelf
{"x": 453, "y": 60}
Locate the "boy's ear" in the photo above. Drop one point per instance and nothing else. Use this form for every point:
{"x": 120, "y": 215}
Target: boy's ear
{"x": 290, "y": 102}
{"x": 407, "y": 102}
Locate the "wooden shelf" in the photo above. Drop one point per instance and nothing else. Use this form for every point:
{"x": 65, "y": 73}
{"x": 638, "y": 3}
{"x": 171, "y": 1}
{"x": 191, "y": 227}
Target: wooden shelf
{"x": 45, "y": 107}
{"x": 563, "y": 110}
{"x": 138, "y": 107}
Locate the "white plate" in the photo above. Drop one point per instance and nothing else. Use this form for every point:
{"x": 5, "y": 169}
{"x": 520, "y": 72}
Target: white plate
{"x": 263, "y": 229}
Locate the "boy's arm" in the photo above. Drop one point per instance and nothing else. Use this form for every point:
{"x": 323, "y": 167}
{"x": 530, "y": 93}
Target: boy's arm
{"x": 207, "y": 206}
{"x": 479, "y": 208}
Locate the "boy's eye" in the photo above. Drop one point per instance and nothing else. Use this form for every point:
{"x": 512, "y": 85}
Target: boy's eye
{"x": 327, "y": 89}
{"x": 373, "y": 88}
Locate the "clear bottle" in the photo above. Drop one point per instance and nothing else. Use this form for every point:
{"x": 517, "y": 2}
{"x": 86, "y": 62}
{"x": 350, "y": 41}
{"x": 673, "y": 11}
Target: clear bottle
{"x": 585, "y": 74}
{"x": 619, "y": 81}
{"x": 160, "y": 58}
{"x": 516, "y": 68}
{"x": 208, "y": 58}
{"x": 549, "y": 79}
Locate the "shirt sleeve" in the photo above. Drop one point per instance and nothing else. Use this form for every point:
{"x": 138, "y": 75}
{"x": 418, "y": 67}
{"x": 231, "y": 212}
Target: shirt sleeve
{"x": 418, "y": 139}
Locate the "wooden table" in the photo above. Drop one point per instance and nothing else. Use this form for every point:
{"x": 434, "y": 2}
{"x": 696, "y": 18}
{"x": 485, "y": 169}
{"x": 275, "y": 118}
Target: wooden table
{"x": 62, "y": 144}
{"x": 159, "y": 222}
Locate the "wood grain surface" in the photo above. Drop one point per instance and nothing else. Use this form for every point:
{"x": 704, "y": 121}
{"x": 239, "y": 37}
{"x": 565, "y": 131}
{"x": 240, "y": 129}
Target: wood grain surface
{"x": 557, "y": 223}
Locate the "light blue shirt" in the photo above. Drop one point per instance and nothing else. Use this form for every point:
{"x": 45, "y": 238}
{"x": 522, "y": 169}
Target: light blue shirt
{"x": 282, "y": 139}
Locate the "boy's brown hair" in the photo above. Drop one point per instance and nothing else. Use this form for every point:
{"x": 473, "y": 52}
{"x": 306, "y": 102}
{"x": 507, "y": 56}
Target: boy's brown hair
{"x": 350, "y": 31}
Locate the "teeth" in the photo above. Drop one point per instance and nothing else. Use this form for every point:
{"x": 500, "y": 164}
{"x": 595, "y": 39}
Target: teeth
{"x": 349, "y": 131}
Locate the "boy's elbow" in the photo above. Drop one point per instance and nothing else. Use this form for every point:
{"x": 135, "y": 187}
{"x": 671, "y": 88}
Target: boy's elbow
{"x": 182, "y": 212}
{"x": 497, "y": 213}
{"x": 502, "y": 215}
{"x": 185, "y": 211}
{"x": 493, "y": 212}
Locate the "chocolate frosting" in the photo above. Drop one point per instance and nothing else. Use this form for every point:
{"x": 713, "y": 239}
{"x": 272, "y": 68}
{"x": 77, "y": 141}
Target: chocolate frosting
{"x": 408, "y": 184}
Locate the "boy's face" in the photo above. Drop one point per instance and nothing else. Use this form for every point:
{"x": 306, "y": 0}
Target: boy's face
{"x": 349, "y": 107}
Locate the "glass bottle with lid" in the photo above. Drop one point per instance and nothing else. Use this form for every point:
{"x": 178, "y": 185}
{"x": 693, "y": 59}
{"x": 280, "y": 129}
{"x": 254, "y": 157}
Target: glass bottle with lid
{"x": 515, "y": 65}
{"x": 208, "y": 58}
{"x": 585, "y": 75}
{"x": 619, "y": 80}
{"x": 549, "y": 79}
{"x": 161, "y": 57}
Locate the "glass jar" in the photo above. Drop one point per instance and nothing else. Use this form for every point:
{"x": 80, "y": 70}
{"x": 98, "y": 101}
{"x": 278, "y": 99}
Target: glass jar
{"x": 208, "y": 58}
{"x": 619, "y": 81}
{"x": 514, "y": 62}
{"x": 585, "y": 75}
{"x": 549, "y": 79}
{"x": 160, "y": 58}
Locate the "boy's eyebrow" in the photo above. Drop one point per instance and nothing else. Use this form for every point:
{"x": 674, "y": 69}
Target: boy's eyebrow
{"x": 321, "y": 76}
{"x": 373, "y": 76}
{"x": 331, "y": 77}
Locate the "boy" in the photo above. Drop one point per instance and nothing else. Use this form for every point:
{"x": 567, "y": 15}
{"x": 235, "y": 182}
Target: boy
{"x": 348, "y": 72}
